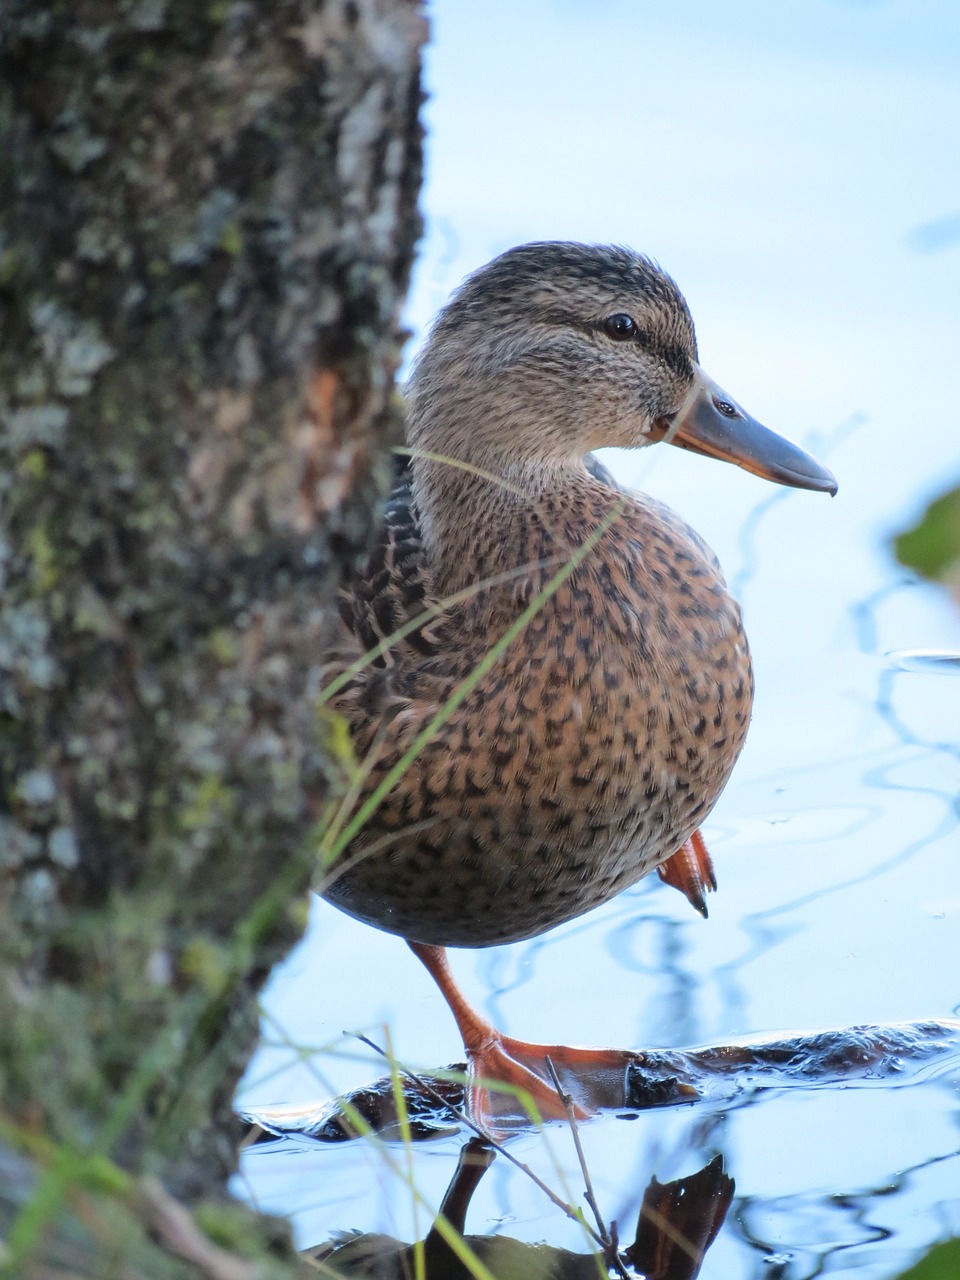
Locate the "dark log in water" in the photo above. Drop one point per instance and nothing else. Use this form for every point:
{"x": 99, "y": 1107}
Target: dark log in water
{"x": 892, "y": 1056}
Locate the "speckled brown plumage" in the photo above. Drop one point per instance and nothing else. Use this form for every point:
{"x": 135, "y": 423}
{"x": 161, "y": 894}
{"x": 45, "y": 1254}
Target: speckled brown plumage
{"x": 602, "y": 737}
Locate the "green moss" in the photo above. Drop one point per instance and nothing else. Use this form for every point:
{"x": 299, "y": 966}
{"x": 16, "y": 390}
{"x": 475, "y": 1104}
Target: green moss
{"x": 43, "y": 559}
{"x": 223, "y": 646}
{"x": 298, "y": 913}
{"x": 213, "y": 804}
{"x": 91, "y": 613}
{"x": 205, "y": 964}
{"x": 231, "y": 239}
{"x": 33, "y": 465}
{"x": 9, "y": 260}
{"x": 230, "y": 1227}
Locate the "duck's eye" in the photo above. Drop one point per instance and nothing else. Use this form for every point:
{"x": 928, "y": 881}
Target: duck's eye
{"x": 620, "y": 326}
{"x": 725, "y": 407}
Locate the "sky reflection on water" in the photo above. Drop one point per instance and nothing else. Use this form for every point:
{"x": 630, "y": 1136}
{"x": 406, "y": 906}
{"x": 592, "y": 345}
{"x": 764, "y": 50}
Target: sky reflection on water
{"x": 796, "y": 171}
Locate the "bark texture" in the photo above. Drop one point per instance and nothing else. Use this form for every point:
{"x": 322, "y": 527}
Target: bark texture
{"x": 207, "y": 222}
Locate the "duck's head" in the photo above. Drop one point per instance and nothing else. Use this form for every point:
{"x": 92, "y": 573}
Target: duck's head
{"x": 552, "y": 350}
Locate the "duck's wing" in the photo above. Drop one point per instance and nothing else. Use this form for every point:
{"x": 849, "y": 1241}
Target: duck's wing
{"x": 390, "y": 660}
{"x": 390, "y": 609}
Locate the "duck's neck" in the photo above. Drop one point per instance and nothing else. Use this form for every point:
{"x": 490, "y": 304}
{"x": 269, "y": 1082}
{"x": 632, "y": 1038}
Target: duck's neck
{"x": 472, "y": 520}
{"x": 486, "y": 513}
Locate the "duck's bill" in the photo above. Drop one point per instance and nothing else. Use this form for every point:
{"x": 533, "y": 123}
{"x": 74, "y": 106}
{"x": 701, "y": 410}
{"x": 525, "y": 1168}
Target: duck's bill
{"x": 712, "y": 423}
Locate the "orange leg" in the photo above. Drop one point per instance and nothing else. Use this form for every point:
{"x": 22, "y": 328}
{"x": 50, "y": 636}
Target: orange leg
{"x": 690, "y": 870}
{"x": 498, "y": 1059}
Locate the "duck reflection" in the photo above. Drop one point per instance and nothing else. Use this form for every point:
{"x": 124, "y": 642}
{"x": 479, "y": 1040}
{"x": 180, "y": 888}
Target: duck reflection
{"x": 678, "y": 1220}
{"x": 677, "y": 1223}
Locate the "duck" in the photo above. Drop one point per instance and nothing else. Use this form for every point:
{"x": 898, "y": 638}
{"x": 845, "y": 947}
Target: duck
{"x": 545, "y": 677}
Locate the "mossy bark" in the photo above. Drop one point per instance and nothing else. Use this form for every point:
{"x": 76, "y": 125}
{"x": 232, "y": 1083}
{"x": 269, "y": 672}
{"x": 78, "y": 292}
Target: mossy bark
{"x": 207, "y": 221}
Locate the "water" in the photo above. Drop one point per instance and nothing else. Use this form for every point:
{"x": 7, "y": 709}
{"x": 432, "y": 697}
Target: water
{"x": 796, "y": 172}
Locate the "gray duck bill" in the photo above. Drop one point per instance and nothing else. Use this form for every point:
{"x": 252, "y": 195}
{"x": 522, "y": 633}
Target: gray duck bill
{"x": 713, "y": 424}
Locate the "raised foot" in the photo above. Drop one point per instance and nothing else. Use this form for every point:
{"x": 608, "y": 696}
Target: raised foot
{"x": 691, "y": 871}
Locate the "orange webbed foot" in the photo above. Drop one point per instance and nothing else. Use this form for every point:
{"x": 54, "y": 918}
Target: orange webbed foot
{"x": 590, "y": 1078}
{"x": 501, "y": 1066}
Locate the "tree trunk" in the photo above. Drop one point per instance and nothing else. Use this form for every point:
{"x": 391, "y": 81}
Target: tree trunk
{"x": 207, "y": 221}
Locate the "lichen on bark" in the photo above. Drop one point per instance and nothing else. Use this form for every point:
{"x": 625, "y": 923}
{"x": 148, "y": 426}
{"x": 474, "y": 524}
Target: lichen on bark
{"x": 207, "y": 223}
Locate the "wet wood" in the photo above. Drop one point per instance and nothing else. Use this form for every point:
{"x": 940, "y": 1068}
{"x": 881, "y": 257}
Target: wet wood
{"x": 899, "y": 1053}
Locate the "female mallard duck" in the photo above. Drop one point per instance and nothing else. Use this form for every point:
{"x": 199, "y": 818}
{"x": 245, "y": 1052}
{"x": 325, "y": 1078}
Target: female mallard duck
{"x": 601, "y": 736}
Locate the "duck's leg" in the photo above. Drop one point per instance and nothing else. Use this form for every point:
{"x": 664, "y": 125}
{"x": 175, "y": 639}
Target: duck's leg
{"x": 498, "y": 1059}
{"x": 690, "y": 870}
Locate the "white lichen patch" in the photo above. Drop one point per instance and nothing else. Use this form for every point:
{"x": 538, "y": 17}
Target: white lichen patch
{"x": 75, "y": 350}
{"x": 43, "y": 425}
{"x": 36, "y": 789}
{"x": 62, "y": 848}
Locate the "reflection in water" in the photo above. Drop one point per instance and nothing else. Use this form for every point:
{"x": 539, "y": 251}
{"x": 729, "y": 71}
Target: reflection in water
{"x": 822, "y": 1232}
{"x": 678, "y": 1220}
{"x": 677, "y": 1223}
